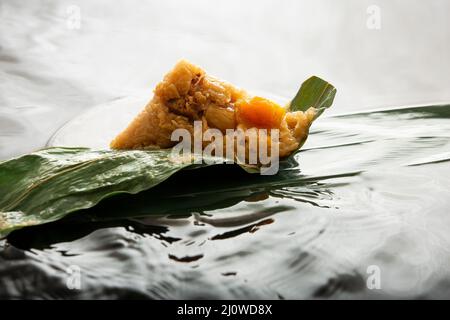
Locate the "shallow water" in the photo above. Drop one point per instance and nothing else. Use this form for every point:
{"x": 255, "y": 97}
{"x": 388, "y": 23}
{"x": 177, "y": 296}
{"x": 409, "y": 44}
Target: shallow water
{"x": 370, "y": 189}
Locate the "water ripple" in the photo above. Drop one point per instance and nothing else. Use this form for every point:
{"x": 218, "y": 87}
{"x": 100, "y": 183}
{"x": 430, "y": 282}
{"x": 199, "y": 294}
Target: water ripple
{"x": 368, "y": 189}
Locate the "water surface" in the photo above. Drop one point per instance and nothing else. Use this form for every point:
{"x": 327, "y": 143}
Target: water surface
{"x": 369, "y": 190}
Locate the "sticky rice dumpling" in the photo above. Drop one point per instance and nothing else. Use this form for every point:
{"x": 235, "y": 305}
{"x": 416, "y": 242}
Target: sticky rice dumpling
{"x": 188, "y": 94}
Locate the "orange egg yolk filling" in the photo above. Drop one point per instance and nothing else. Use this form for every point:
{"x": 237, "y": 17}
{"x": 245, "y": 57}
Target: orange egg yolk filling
{"x": 260, "y": 113}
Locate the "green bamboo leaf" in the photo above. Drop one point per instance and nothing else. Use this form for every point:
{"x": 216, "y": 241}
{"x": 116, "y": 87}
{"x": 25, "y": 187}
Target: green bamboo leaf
{"x": 47, "y": 185}
{"x": 314, "y": 92}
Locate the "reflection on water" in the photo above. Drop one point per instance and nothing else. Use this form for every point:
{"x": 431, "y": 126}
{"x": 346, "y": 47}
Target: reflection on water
{"x": 349, "y": 201}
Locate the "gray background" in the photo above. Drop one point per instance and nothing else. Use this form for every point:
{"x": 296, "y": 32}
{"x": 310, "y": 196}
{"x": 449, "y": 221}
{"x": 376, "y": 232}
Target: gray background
{"x": 50, "y": 70}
